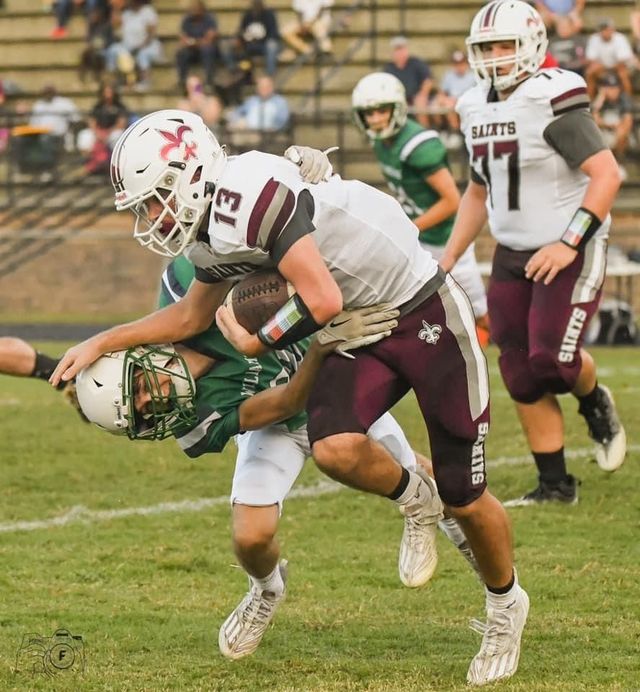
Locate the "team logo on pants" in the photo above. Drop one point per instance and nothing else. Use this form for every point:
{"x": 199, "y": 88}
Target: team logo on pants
{"x": 430, "y": 333}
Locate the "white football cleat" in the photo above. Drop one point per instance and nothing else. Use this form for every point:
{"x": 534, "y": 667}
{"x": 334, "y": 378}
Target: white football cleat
{"x": 501, "y": 634}
{"x": 241, "y": 633}
{"x": 606, "y": 430}
{"x": 418, "y": 556}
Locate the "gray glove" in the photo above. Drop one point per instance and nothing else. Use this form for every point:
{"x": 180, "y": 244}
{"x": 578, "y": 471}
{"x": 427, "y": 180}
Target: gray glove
{"x": 356, "y": 328}
{"x": 314, "y": 164}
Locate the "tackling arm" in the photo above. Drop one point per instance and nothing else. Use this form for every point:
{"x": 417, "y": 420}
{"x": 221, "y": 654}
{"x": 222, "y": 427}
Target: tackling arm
{"x": 189, "y": 316}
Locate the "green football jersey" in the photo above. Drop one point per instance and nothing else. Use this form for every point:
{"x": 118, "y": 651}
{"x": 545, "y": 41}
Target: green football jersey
{"x": 406, "y": 160}
{"x": 231, "y": 380}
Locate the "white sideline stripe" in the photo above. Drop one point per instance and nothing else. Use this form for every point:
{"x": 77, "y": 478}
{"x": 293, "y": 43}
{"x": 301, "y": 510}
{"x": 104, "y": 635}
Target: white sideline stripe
{"x": 81, "y": 514}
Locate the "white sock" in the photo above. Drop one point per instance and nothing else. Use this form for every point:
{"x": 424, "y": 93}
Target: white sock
{"x": 272, "y": 582}
{"x": 417, "y": 491}
{"x": 502, "y": 600}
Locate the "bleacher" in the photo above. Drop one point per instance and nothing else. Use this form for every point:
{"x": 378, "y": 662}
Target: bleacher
{"x": 318, "y": 91}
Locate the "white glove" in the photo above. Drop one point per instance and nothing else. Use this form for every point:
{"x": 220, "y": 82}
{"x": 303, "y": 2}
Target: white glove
{"x": 356, "y": 328}
{"x": 314, "y": 164}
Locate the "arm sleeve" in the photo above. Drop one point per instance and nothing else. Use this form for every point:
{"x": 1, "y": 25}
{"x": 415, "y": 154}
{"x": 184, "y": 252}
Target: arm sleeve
{"x": 210, "y": 434}
{"x": 206, "y": 278}
{"x": 428, "y": 157}
{"x": 575, "y": 136}
{"x": 300, "y": 223}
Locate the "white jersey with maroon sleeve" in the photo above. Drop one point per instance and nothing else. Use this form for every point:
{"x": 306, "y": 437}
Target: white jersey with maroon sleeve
{"x": 369, "y": 245}
{"x": 532, "y": 193}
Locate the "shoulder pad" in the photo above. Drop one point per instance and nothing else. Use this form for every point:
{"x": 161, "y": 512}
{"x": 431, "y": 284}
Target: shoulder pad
{"x": 562, "y": 89}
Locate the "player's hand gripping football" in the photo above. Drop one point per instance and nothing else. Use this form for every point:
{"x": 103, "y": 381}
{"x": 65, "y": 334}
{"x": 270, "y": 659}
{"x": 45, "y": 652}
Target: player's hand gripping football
{"x": 548, "y": 261}
{"x": 244, "y": 342}
{"x": 353, "y": 329}
{"x": 314, "y": 164}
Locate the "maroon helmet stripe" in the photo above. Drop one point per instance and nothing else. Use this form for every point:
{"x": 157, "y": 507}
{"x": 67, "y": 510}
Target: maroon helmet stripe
{"x": 489, "y": 15}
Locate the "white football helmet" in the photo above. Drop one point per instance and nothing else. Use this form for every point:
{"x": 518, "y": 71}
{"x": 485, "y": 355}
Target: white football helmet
{"x": 172, "y": 157}
{"x": 375, "y": 90}
{"x": 107, "y": 391}
{"x": 507, "y": 20}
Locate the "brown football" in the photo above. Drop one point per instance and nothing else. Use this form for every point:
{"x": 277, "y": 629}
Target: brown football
{"x": 257, "y": 297}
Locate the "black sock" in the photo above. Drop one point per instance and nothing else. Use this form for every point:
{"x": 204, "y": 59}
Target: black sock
{"x": 402, "y": 485}
{"x": 503, "y": 589}
{"x": 590, "y": 401}
{"x": 44, "y": 366}
{"x": 551, "y": 466}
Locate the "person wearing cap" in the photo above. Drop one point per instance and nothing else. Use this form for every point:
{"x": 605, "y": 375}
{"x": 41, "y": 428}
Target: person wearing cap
{"x": 455, "y": 81}
{"x": 612, "y": 110}
{"x": 552, "y": 11}
{"x": 608, "y": 50}
{"x": 415, "y": 75}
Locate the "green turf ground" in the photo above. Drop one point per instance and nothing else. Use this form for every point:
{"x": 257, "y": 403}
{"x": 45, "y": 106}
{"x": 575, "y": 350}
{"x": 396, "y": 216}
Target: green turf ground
{"x": 148, "y": 593}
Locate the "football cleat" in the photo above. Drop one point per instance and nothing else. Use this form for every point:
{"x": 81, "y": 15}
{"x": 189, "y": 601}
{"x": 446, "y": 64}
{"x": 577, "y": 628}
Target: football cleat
{"x": 565, "y": 492}
{"x": 418, "y": 556}
{"x": 241, "y": 633}
{"x": 606, "y": 430}
{"x": 501, "y": 634}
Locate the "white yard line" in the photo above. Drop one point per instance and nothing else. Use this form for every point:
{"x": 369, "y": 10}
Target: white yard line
{"x": 80, "y": 514}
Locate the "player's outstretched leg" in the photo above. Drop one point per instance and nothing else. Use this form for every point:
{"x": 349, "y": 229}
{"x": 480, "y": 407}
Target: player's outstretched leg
{"x": 501, "y": 634}
{"x": 605, "y": 428}
{"x": 242, "y": 632}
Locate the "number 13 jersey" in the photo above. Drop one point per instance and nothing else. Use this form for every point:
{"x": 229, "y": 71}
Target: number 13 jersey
{"x": 532, "y": 175}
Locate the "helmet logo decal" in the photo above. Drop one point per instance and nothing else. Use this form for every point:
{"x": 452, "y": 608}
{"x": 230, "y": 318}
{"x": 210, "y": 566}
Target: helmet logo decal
{"x": 175, "y": 141}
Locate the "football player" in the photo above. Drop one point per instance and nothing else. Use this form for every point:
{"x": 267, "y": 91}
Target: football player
{"x": 545, "y": 181}
{"x": 342, "y": 244}
{"x": 415, "y": 165}
{"x": 21, "y": 359}
{"x": 150, "y": 393}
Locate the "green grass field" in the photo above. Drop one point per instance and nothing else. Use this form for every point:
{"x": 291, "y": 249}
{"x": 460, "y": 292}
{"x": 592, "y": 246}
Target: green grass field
{"x": 148, "y": 591}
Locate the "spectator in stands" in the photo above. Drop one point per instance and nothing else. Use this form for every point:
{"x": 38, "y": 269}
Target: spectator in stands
{"x": 634, "y": 20}
{"x": 107, "y": 120}
{"x": 257, "y": 35}
{"x": 209, "y": 108}
{"x": 313, "y": 23}
{"x": 456, "y": 80}
{"x": 63, "y": 10}
{"x": 198, "y": 42}
{"x": 415, "y": 75}
{"x": 568, "y": 47}
{"x": 552, "y": 11}
{"x": 4, "y": 129}
{"x": 99, "y": 38}
{"x": 55, "y": 113}
{"x": 613, "y": 112}
{"x": 266, "y": 111}
{"x": 608, "y": 51}
{"x": 138, "y": 24}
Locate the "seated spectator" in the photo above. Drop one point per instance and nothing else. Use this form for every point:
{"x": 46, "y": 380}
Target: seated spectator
{"x": 455, "y": 81}
{"x": 264, "y": 112}
{"x": 634, "y": 20}
{"x": 569, "y": 48}
{"x": 209, "y": 108}
{"x": 312, "y": 24}
{"x": 608, "y": 50}
{"x": 99, "y": 38}
{"x": 138, "y": 44}
{"x": 257, "y": 35}
{"x": 198, "y": 42}
{"x": 415, "y": 75}
{"x": 56, "y": 114}
{"x": 107, "y": 120}
{"x": 613, "y": 112}
{"x": 553, "y": 10}
{"x": 63, "y": 10}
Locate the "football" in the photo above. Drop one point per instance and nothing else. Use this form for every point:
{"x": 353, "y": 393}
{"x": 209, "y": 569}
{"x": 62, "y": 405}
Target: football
{"x": 257, "y": 297}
